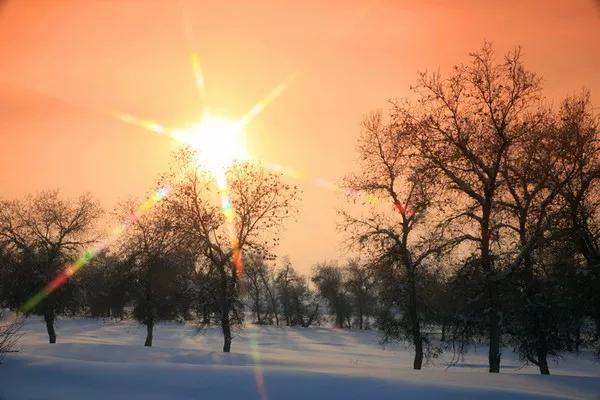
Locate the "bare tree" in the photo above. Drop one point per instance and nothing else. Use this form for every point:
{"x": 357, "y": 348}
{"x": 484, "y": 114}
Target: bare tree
{"x": 45, "y": 232}
{"x": 392, "y": 233}
{"x": 469, "y": 122}
{"x": 160, "y": 266}
{"x": 260, "y": 203}
{"x": 535, "y": 169}
{"x": 577, "y": 222}
{"x": 580, "y": 195}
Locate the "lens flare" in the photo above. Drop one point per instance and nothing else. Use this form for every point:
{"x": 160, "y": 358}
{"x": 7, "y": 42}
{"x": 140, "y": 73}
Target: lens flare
{"x": 229, "y": 214}
{"x": 144, "y": 124}
{"x": 268, "y": 99}
{"x": 258, "y": 370}
{"x": 198, "y": 75}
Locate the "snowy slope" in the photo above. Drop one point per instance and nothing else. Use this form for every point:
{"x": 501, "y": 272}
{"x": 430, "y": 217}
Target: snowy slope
{"x": 107, "y": 360}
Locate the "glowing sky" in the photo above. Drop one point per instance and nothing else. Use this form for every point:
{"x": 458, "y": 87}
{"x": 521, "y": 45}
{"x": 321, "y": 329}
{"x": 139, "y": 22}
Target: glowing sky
{"x": 64, "y": 62}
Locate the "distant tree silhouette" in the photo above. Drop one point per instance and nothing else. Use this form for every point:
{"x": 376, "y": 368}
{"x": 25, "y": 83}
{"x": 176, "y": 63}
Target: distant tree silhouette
{"x": 259, "y": 283}
{"x": 206, "y": 284}
{"x": 105, "y": 286}
{"x": 299, "y": 305}
{"x": 361, "y": 287}
{"x": 330, "y": 282}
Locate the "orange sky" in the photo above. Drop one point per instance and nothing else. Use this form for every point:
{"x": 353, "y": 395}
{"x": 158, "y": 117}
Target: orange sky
{"x": 65, "y": 61}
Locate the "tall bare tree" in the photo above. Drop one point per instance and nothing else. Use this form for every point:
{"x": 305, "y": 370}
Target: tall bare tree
{"x": 469, "y": 121}
{"x": 260, "y": 203}
{"x": 580, "y": 195}
{"x": 535, "y": 169}
{"x": 392, "y": 232}
{"x": 579, "y": 199}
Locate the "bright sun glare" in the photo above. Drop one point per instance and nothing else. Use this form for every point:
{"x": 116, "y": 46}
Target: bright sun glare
{"x": 218, "y": 142}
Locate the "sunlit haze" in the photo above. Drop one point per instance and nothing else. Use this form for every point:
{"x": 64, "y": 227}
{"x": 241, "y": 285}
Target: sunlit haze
{"x": 87, "y": 88}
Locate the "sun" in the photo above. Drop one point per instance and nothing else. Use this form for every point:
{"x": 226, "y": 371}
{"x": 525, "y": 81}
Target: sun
{"x": 217, "y": 142}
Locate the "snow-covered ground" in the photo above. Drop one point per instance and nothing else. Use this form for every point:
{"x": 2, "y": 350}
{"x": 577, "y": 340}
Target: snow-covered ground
{"x": 107, "y": 360}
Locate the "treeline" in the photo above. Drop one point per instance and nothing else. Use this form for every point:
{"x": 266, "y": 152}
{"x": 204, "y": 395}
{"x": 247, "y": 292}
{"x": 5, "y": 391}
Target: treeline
{"x": 474, "y": 211}
{"x": 176, "y": 256}
{"x": 344, "y": 295}
{"x": 479, "y": 212}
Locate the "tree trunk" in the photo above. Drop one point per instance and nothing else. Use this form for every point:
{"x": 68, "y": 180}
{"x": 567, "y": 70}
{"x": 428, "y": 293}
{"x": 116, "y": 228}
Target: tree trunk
{"x": 49, "y": 318}
{"x": 542, "y": 348}
{"x": 149, "y": 332}
{"x": 418, "y": 352}
{"x": 443, "y": 338}
{"x": 494, "y": 327}
{"x": 533, "y": 289}
{"x": 226, "y": 327}
{"x": 492, "y": 292}
{"x": 417, "y": 339}
{"x": 339, "y": 320}
{"x": 227, "y": 289}
{"x": 543, "y": 361}
{"x": 415, "y": 323}
{"x": 360, "y": 320}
